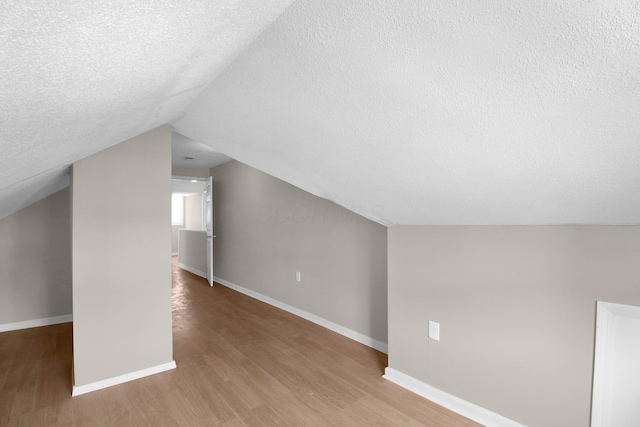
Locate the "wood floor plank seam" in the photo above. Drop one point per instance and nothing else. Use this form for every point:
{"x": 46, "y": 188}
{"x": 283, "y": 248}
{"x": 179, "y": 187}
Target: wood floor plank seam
{"x": 241, "y": 362}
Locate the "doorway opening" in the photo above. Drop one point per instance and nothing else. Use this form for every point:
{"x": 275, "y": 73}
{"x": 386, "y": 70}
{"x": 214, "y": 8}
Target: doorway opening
{"x": 192, "y": 228}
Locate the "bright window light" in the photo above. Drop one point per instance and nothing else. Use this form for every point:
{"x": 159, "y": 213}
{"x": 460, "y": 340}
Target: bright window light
{"x": 177, "y": 209}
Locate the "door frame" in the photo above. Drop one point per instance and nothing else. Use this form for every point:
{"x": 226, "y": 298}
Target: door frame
{"x": 208, "y": 202}
{"x": 606, "y": 313}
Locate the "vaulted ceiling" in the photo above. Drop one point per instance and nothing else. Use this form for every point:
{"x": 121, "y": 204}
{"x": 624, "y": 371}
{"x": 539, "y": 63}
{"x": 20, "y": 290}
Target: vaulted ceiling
{"x": 79, "y": 76}
{"x": 413, "y": 112}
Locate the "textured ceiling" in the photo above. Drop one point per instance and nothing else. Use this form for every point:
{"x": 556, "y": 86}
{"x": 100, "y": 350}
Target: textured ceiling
{"x": 441, "y": 112}
{"x": 414, "y": 112}
{"x": 79, "y": 76}
{"x": 186, "y": 152}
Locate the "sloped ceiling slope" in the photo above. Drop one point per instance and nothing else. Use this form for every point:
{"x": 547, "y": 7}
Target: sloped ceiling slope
{"x": 186, "y": 152}
{"x": 79, "y": 76}
{"x": 441, "y": 112}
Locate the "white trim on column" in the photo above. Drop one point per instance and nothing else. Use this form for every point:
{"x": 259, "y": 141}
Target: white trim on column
{"x": 34, "y": 323}
{"x": 87, "y": 388}
{"x": 453, "y": 403}
{"x": 192, "y": 270}
{"x": 349, "y": 333}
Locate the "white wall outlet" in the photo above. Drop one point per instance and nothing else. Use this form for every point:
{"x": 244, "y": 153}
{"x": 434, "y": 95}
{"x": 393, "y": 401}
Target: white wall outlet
{"x": 434, "y": 330}
{"x": 298, "y": 277}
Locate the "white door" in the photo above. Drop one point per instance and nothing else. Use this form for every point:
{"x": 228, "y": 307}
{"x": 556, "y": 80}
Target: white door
{"x": 208, "y": 198}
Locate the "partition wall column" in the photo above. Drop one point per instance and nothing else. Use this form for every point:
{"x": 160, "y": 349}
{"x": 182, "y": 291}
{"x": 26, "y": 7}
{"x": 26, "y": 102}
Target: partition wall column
{"x": 121, "y": 252}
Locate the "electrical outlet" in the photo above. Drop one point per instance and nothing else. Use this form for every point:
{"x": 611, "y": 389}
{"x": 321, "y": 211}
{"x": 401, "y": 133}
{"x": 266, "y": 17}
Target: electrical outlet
{"x": 298, "y": 277}
{"x": 434, "y": 330}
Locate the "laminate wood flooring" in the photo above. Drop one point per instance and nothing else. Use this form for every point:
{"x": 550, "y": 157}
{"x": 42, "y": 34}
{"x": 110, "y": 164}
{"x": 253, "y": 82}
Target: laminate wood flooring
{"x": 240, "y": 363}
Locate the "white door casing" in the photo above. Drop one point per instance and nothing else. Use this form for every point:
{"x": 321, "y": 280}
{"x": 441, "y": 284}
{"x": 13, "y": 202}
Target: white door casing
{"x": 616, "y": 372}
{"x": 208, "y": 199}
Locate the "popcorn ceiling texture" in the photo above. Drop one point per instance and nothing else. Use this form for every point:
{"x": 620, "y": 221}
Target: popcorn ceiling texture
{"x": 441, "y": 112}
{"x": 203, "y": 155}
{"x": 79, "y": 76}
{"x": 413, "y": 112}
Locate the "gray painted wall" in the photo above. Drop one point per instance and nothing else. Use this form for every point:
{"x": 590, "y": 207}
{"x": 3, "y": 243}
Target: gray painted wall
{"x": 516, "y": 307}
{"x": 35, "y": 261}
{"x": 194, "y": 172}
{"x": 267, "y": 230}
{"x": 193, "y": 251}
{"x": 122, "y": 258}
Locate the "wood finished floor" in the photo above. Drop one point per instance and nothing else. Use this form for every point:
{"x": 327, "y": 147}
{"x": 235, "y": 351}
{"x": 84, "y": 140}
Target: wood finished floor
{"x": 240, "y": 363}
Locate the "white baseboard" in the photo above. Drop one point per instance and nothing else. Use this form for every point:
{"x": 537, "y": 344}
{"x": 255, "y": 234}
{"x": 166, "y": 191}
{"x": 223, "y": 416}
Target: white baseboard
{"x": 87, "y": 388}
{"x": 36, "y": 323}
{"x": 356, "y": 336}
{"x": 453, "y": 403}
{"x": 192, "y": 270}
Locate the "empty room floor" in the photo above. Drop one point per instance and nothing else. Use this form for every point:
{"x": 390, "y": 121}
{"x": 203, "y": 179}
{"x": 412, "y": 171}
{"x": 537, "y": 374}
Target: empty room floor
{"x": 240, "y": 363}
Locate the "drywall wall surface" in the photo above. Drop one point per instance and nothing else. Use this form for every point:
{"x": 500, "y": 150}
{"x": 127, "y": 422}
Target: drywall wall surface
{"x": 35, "y": 261}
{"x": 266, "y": 230}
{"x": 193, "y": 212}
{"x": 175, "y": 236}
{"x": 121, "y": 243}
{"x": 516, "y": 307}
{"x": 185, "y": 171}
{"x": 193, "y": 251}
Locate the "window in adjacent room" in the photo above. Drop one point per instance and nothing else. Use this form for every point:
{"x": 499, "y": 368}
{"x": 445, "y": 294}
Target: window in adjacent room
{"x": 177, "y": 209}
